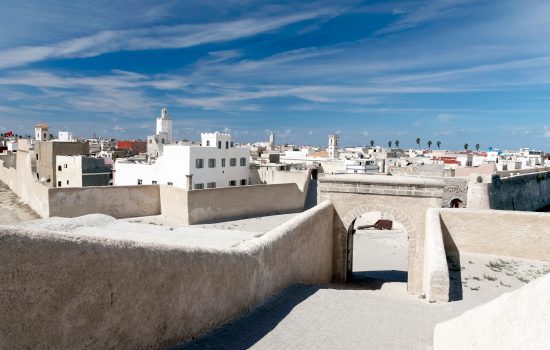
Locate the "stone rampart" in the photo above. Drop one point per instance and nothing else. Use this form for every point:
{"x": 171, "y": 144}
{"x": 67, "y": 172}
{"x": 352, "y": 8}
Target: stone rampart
{"x": 62, "y": 291}
{"x": 116, "y": 201}
{"x": 528, "y": 192}
{"x": 436, "y": 281}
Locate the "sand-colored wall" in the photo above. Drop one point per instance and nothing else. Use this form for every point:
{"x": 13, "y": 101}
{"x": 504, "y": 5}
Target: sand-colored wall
{"x": 65, "y": 292}
{"x": 436, "y": 272}
{"x": 211, "y": 205}
{"x": 497, "y": 232}
{"x": 21, "y": 181}
{"x": 516, "y": 320}
{"x": 527, "y": 192}
{"x": 116, "y": 201}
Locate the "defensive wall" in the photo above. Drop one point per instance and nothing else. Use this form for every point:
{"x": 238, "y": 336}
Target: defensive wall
{"x": 63, "y": 291}
{"x": 515, "y": 234}
{"x": 525, "y": 192}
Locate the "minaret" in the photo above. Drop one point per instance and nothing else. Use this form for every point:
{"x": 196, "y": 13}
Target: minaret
{"x": 333, "y": 146}
{"x": 164, "y": 124}
{"x": 41, "y": 132}
{"x": 272, "y": 139}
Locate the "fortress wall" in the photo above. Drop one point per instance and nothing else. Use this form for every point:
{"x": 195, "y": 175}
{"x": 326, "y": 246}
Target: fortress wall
{"x": 116, "y": 201}
{"x": 497, "y": 232}
{"x": 527, "y": 192}
{"x": 435, "y": 279}
{"x": 211, "y": 205}
{"x": 20, "y": 180}
{"x": 75, "y": 292}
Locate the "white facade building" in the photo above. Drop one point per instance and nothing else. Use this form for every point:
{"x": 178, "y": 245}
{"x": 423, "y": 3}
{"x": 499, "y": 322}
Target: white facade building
{"x": 65, "y": 136}
{"x": 82, "y": 171}
{"x": 216, "y": 163}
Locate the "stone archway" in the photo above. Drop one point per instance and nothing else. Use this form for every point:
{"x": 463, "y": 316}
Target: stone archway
{"x": 402, "y": 198}
{"x": 390, "y": 213}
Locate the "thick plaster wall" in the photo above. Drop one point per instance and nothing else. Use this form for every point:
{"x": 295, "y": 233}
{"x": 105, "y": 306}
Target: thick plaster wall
{"x": 116, "y": 201}
{"x": 516, "y": 320}
{"x": 211, "y": 205}
{"x": 529, "y": 192}
{"x": 496, "y": 232}
{"x": 61, "y": 291}
{"x": 21, "y": 181}
{"x": 436, "y": 282}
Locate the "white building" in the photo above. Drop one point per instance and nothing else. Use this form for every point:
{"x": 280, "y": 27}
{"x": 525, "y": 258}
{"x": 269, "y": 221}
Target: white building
{"x": 82, "y": 171}
{"x": 65, "y": 136}
{"x": 361, "y": 166}
{"x": 216, "y": 163}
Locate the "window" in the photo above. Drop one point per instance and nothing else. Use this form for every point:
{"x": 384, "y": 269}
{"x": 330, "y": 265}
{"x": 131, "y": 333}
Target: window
{"x": 219, "y": 144}
{"x": 154, "y": 182}
{"x": 37, "y": 156}
{"x": 67, "y": 182}
{"x": 231, "y": 144}
{"x": 232, "y": 161}
{"x": 65, "y": 166}
{"x": 44, "y": 135}
{"x": 170, "y": 184}
{"x": 223, "y": 162}
{"x": 243, "y": 161}
{"x": 243, "y": 182}
{"x": 233, "y": 183}
{"x": 211, "y": 185}
{"x": 207, "y": 142}
{"x": 199, "y": 163}
{"x": 140, "y": 181}
{"x": 59, "y": 167}
{"x": 212, "y": 163}
{"x": 162, "y": 141}
{"x": 150, "y": 141}
{"x": 58, "y": 183}
{"x": 226, "y": 144}
{"x": 199, "y": 186}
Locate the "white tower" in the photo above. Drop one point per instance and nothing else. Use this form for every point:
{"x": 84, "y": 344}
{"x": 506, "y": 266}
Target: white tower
{"x": 272, "y": 139}
{"x": 333, "y": 146}
{"x": 41, "y": 132}
{"x": 164, "y": 125}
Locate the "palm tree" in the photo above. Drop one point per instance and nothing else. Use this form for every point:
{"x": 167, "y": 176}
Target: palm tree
{"x": 466, "y": 146}
{"x": 438, "y": 143}
{"x": 477, "y": 146}
{"x": 430, "y": 144}
{"x": 418, "y": 142}
{"x": 389, "y": 144}
{"x": 372, "y": 143}
{"x": 397, "y": 143}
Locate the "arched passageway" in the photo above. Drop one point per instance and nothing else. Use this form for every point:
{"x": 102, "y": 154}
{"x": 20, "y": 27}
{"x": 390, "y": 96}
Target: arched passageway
{"x": 377, "y": 250}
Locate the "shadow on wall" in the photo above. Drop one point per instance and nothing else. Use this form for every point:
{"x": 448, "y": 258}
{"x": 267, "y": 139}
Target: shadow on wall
{"x": 374, "y": 280}
{"x": 453, "y": 263}
{"x": 254, "y": 325}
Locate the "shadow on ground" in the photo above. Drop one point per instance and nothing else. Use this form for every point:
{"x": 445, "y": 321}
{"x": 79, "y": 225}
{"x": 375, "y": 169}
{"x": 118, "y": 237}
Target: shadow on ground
{"x": 259, "y": 322}
{"x": 374, "y": 280}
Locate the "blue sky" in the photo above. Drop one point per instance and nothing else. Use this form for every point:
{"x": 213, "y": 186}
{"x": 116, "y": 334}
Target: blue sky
{"x": 454, "y": 70}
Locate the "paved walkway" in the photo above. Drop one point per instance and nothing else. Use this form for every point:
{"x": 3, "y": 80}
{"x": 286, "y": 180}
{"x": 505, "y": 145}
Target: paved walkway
{"x": 373, "y": 312}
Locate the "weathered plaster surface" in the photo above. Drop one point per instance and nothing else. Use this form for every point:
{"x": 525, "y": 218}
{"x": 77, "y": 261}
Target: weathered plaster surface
{"x": 497, "y": 232}
{"x": 527, "y": 192}
{"x": 65, "y": 291}
{"x": 436, "y": 272}
{"x": 516, "y": 320}
{"x": 116, "y": 201}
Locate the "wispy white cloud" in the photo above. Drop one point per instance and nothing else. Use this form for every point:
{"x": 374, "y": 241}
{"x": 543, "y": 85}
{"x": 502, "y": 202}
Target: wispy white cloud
{"x": 158, "y": 37}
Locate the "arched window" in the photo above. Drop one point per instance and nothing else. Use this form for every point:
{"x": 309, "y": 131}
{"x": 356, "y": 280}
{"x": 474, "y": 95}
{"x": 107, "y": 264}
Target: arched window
{"x": 457, "y": 203}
